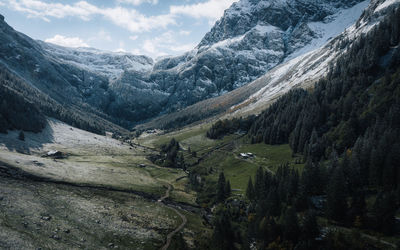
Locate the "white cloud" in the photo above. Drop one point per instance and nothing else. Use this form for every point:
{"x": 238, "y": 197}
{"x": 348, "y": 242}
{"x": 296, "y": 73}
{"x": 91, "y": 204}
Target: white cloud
{"x": 136, "y": 52}
{"x": 134, "y": 21}
{"x": 37, "y": 8}
{"x": 129, "y": 19}
{"x": 133, "y": 38}
{"x": 182, "y": 47}
{"x": 138, "y": 2}
{"x": 165, "y": 42}
{"x": 185, "y": 32}
{"x": 101, "y": 36}
{"x": 211, "y": 9}
{"x": 149, "y": 46}
{"x": 73, "y": 42}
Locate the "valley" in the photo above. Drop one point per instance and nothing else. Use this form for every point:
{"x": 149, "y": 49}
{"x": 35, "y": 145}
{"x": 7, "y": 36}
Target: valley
{"x": 279, "y": 130}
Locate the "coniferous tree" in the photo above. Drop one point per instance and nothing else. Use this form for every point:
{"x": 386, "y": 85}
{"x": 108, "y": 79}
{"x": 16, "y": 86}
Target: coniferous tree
{"x": 259, "y": 183}
{"x": 384, "y": 211}
{"x": 223, "y": 235}
{"x": 228, "y": 190}
{"x": 250, "y": 193}
{"x": 21, "y": 136}
{"x": 357, "y": 211}
{"x": 336, "y": 196}
{"x": 221, "y": 188}
{"x": 273, "y": 203}
{"x": 290, "y": 225}
{"x": 310, "y": 229}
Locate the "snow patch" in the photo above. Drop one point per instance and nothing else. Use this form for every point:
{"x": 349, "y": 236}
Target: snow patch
{"x": 386, "y": 4}
{"x": 332, "y": 27}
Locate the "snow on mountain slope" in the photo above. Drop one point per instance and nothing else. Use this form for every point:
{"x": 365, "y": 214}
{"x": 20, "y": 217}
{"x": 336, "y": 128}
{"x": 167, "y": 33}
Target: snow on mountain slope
{"x": 109, "y": 64}
{"x": 331, "y": 27}
{"x": 385, "y": 5}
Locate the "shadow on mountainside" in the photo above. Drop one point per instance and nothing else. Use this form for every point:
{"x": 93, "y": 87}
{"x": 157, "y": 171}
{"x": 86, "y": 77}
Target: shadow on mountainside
{"x": 32, "y": 141}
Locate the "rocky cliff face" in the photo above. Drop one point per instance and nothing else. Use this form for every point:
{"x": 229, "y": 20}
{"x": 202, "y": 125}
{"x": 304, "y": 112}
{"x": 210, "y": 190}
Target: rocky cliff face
{"x": 251, "y": 38}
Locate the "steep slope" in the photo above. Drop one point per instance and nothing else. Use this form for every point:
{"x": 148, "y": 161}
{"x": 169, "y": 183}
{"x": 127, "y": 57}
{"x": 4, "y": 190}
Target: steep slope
{"x": 301, "y": 71}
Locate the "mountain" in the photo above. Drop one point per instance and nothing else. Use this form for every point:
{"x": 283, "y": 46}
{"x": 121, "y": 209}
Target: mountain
{"x": 296, "y": 71}
{"x": 244, "y": 44}
{"x": 250, "y": 39}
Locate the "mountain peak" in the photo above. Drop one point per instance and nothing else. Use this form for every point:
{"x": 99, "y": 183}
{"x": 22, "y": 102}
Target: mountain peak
{"x": 284, "y": 14}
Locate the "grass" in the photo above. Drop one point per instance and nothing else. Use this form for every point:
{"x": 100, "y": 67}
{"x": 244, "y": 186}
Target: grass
{"x": 238, "y": 170}
{"x": 157, "y": 140}
{"x": 195, "y": 229}
{"x": 97, "y": 216}
{"x": 271, "y": 156}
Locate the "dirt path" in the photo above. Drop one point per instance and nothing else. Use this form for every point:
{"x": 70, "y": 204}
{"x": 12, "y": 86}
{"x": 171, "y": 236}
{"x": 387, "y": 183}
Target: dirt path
{"x": 166, "y": 194}
{"x": 180, "y": 227}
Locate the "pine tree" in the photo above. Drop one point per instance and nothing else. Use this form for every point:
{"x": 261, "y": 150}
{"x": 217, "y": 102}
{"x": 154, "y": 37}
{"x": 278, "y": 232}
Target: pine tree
{"x": 21, "y": 136}
{"x": 290, "y": 225}
{"x": 250, "y": 193}
{"x": 259, "y": 183}
{"x": 228, "y": 189}
{"x": 357, "y": 209}
{"x": 384, "y": 211}
{"x": 336, "y": 196}
{"x": 273, "y": 203}
{"x": 223, "y": 235}
{"x": 221, "y": 188}
{"x": 391, "y": 169}
{"x": 310, "y": 229}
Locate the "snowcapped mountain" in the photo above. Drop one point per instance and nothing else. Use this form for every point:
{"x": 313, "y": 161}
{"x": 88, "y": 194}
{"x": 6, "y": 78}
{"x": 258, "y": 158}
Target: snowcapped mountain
{"x": 253, "y": 37}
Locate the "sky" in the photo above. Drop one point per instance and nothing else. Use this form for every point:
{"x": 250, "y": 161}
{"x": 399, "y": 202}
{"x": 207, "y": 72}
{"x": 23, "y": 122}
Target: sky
{"x": 147, "y": 27}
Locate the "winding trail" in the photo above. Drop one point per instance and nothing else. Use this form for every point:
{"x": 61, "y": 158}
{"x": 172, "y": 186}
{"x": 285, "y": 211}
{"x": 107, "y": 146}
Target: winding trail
{"x": 180, "y": 227}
